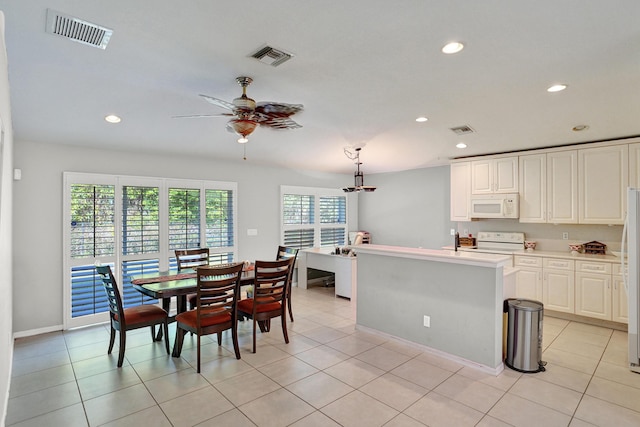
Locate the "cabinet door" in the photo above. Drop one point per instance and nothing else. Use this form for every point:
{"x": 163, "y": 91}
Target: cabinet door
{"x": 482, "y": 177}
{"x": 558, "y": 290}
{"x": 460, "y": 191}
{"x": 529, "y": 283}
{"x": 506, "y": 175}
{"x": 620, "y": 307}
{"x": 593, "y": 295}
{"x": 634, "y": 165}
{"x": 532, "y": 181}
{"x": 562, "y": 187}
{"x": 603, "y": 179}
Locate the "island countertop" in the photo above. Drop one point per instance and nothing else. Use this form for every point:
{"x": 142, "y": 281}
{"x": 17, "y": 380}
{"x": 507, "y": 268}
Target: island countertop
{"x": 439, "y": 255}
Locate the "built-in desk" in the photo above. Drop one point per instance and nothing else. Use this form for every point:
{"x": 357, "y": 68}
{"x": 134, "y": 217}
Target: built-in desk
{"x": 344, "y": 268}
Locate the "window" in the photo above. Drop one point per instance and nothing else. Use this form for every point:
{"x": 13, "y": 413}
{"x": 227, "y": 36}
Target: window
{"x": 300, "y": 208}
{"x": 134, "y": 225}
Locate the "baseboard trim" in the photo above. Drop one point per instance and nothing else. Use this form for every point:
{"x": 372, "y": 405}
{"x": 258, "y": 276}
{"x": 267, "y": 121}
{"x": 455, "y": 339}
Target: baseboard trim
{"x": 32, "y": 332}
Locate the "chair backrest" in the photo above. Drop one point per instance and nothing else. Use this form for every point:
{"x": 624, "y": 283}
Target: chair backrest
{"x": 271, "y": 281}
{"x": 113, "y": 293}
{"x": 285, "y": 252}
{"x": 192, "y": 258}
{"x": 218, "y": 291}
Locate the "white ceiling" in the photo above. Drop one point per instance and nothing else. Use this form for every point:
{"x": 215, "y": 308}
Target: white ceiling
{"x": 364, "y": 71}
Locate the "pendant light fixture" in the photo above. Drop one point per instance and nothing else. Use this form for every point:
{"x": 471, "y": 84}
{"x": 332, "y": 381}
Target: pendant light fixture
{"x": 358, "y": 176}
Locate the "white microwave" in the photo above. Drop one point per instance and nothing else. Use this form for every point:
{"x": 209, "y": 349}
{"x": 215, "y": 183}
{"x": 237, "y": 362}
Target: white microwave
{"x": 495, "y": 206}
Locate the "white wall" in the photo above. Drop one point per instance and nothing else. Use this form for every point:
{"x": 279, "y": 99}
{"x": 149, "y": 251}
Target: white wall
{"x": 408, "y": 208}
{"x": 38, "y": 212}
{"x": 6, "y": 168}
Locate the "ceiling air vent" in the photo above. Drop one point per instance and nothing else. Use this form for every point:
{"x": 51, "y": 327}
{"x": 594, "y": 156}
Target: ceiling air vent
{"x": 77, "y": 30}
{"x": 271, "y": 56}
{"x": 462, "y": 130}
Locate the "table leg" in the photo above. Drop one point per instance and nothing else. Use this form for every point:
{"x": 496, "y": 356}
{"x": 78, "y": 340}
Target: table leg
{"x": 166, "y": 303}
{"x": 181, "y": 305}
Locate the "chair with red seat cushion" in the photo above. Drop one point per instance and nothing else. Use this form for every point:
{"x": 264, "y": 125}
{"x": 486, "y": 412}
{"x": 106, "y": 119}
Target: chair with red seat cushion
{"x": 192, "y": 258}
{"x": 283, "y": 253}
{"x": 216, "y": 307}
{"x": 126, "y": 319}
{"x": 270, "y": 294}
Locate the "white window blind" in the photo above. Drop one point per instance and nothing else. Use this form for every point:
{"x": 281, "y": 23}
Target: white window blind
{"x": 134, "y": 224}
{"x": 300, "y": 208}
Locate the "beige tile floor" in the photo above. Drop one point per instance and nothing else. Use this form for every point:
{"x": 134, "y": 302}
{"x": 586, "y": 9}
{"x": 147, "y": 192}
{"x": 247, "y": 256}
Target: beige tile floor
{"x": 329, "y": 374}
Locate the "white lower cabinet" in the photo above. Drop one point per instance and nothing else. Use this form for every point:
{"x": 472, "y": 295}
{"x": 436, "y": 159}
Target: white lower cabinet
{"x": 528, "y": 277}
{"x": 558, "y": 285}
{"x": 593, "y": 289}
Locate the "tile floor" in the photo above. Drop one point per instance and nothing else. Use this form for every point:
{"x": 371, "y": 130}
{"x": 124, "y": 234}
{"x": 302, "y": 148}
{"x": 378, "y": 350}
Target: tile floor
{"x": 329, "y": 374}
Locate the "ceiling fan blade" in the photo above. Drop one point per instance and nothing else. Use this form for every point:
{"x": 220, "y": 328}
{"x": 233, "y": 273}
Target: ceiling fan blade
{"x": 199, "y": 116}
{"x": 277, "y": 122}
{"x": 278, "y": 109}
{"x": 218, "y": 102}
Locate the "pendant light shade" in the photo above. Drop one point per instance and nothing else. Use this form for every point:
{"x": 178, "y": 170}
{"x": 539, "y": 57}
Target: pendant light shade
{"x": 358, "y": 175}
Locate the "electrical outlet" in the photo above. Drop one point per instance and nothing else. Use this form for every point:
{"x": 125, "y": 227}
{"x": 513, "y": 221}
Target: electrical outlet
{"x": 427, "y": 321}
{"x": 453, "y": 231}
{"x": 465, "y": 233}
{"x": 565, "y": 236}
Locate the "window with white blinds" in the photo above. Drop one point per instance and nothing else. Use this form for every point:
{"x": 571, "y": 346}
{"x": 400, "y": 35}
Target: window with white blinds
{"x": 134, "y": 225}
{"x": 301, "y": 206}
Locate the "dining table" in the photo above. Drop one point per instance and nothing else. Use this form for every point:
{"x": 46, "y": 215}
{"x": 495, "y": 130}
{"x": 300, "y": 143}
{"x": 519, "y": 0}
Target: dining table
{"x": 164, "y": 285}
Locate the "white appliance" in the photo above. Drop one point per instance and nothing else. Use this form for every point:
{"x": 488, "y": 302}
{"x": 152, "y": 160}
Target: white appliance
{"x": 631, "y": 273}
{"x": 495, "y": 206}
{"x": 499, "y": 241}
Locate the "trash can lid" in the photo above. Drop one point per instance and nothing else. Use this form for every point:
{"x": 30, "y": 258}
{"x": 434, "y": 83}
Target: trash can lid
{"x": 525, "y": 304}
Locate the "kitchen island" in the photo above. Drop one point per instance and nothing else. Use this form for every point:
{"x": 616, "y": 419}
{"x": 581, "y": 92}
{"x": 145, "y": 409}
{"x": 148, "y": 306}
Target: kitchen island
{"x": 448, "y": 302}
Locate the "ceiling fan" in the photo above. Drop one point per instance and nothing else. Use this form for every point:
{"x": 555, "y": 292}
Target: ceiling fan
{"x": 249, "y": 114}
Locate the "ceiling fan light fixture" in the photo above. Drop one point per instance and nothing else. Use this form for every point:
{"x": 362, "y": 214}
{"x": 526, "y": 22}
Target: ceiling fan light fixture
{"x": 243, "y": 140}
{"x": 243, "y": 127}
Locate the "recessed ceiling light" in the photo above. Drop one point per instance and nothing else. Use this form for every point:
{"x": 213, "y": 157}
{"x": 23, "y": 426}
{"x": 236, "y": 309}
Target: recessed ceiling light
{"x": 556, "y": 88}
{"x": 580, "y": 128}
{"x": 421, "y": 119}
{"x": 453, "y": 47}
{"x": 112, "y": 118}
{"x": 461, "y": 145}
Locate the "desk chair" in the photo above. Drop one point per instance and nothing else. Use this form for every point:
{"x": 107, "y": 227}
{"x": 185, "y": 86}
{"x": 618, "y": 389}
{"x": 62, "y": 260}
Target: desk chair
{"x": 126, "y": 319}
{"x": 284, "y": 253}
{"x": 270, "y": 294}
{"x": 215, "y": 308}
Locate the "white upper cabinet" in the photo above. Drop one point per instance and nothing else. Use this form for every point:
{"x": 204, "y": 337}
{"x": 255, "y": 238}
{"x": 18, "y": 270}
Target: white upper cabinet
{"x": 532, "y": 170}
{"x": 604, "y": 177}
{"x": 496, "y": 175}
{"x": 460, "y": 191}
{"x": 634, "y": 165}
{"x": 549, "y": 187}
{"x": 562, "y": 187}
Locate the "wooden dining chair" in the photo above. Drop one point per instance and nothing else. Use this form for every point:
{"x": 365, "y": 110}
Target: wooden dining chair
{"x": 192, "y": 258}
{"x": 126, "y": 319}
{"x": 216, "y": 307}
{"x": 270, "y": 288}
{"x": 285, "y": 252}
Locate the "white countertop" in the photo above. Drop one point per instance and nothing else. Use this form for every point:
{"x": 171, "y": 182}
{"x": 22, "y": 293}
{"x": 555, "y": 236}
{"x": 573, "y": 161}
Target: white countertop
{"x": 459, "y": 257}
{"x": 549, "y": 254}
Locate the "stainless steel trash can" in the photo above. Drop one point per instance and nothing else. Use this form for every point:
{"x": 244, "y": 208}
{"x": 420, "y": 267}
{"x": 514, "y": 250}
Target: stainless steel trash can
{"x": 524, "y": 335}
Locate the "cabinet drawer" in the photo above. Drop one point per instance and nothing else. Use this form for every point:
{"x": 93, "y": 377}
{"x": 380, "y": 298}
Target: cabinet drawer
{"x": 527, "y": 261}
{"x": 617, "y": 268}
{"x": 593, "y": 267}
{"x": 558, "y": 264}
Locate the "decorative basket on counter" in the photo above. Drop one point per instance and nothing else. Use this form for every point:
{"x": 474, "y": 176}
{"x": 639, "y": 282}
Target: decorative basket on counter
{"x": 596, "y": 248}
{"x": 467, "y": 241}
